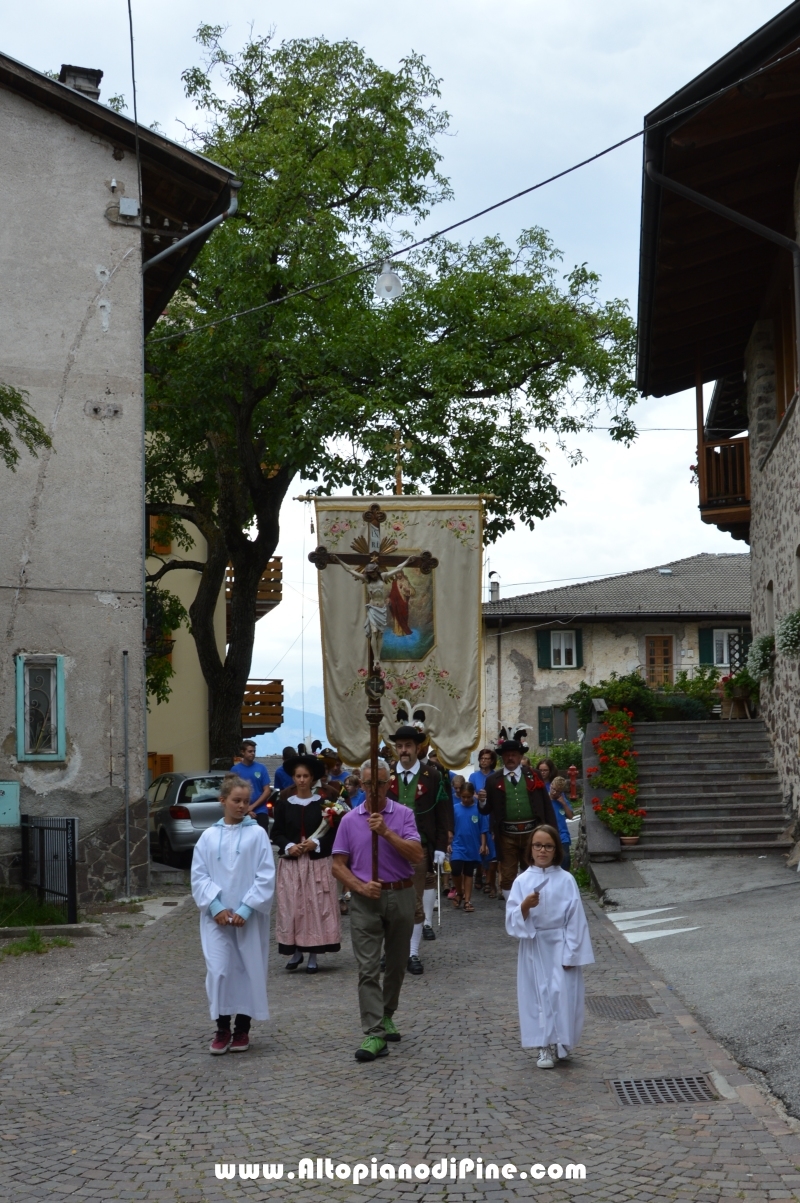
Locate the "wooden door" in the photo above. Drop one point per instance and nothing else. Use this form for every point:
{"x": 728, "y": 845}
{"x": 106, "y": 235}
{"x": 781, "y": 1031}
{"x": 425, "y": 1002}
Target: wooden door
{"x": 658, "y": 661}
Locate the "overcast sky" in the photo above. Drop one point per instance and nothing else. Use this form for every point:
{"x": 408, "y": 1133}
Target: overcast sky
{"x": 531, "y": 86}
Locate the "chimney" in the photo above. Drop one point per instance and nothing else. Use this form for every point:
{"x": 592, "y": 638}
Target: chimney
{"x": 81, "y": 79}
{"x": 494, "y": 591}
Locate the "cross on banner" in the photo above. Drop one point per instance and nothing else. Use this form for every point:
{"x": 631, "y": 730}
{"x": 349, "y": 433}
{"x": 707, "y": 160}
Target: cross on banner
{"x": 378, "y": 559}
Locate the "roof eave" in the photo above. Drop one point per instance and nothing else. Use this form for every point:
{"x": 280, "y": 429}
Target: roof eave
{"x": 562, "y": 619}
{"x": 746, "y": 56}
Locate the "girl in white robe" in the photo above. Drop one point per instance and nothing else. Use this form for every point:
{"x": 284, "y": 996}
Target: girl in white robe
{"x": 233, "y": 878}
{"x": 554, "y": 944}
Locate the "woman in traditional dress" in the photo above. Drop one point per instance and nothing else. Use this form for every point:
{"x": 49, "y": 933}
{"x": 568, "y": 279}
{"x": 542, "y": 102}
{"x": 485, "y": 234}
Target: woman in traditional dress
{"x": 307, "y": 908}
{"x": 544, "y": 911}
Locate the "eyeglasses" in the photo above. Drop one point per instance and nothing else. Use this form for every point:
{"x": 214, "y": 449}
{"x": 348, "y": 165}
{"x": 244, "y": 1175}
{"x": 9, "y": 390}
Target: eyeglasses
{"x": 544, "y": 847}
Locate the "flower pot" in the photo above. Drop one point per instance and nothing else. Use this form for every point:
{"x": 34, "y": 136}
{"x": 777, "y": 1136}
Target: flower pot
{"x": 628, "y": 841}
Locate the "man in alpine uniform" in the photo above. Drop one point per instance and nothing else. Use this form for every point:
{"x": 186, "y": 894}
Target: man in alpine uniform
{"x": 420, "y": 787}
{"x": 517, "y": 801}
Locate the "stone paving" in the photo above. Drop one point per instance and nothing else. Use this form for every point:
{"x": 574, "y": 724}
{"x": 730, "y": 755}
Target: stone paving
{"x": 109, "y": 1092}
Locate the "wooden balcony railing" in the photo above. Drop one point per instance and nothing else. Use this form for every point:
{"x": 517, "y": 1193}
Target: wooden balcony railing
{"x": 270, "y": 590}
{"x": 723, "y": 471}
{"x": 262, "y": 708}
{"x": 727, "y": 473}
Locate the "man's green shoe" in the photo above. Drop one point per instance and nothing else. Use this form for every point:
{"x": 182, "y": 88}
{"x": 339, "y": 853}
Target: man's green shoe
{"x": 372, "y": 1047}
{"x": 387, "y": 1023}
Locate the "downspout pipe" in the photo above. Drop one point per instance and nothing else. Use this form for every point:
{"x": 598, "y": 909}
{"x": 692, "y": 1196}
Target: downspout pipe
{"x": 755, "y": 227}
{"x": 201, "y": 230}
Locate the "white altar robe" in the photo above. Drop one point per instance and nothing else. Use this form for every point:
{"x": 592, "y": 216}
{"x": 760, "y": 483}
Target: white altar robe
{"x": 555, "y": 934}
{"x": 234, "y": 862}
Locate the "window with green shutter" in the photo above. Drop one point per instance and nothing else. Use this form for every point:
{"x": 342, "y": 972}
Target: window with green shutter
{"x": 545, "y": 726}
{"x": 543, "y": 649}
{"x": 706, "y": 640}
{"x": 559, "y": 648}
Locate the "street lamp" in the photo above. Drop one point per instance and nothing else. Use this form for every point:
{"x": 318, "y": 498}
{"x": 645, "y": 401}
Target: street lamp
{"x": 388, "y": 284}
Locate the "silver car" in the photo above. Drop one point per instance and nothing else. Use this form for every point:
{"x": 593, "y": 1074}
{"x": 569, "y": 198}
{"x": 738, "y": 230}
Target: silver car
{"x": 180, "y": 807}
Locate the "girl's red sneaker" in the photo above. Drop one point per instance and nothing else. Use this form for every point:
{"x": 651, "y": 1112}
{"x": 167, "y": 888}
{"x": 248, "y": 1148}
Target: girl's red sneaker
{"x": 240, "y": 1042}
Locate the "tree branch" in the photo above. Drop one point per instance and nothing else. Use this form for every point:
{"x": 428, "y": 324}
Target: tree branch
{"x": 170, "y": 566}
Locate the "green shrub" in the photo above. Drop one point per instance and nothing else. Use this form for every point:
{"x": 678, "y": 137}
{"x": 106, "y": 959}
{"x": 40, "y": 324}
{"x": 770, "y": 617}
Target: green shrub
{"x": 562, "y": 755}
{"x": 629, "y": 692}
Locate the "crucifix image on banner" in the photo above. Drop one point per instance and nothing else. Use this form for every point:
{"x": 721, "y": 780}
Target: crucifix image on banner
{"x": 413, "y": 628}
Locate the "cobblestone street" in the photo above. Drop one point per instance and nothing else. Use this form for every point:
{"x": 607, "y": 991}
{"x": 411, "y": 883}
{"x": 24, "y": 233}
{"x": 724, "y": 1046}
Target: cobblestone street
{"x": 109, "y": 1092}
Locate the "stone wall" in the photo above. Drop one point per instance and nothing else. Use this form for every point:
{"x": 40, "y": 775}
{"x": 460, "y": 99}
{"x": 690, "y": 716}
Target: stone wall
{"x": 774, "y": 546}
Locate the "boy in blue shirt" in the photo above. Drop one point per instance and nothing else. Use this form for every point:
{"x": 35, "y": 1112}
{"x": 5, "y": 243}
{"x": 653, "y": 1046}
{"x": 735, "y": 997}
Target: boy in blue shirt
{"x": 257, "y": 777}
{"x": 469, "y": 844}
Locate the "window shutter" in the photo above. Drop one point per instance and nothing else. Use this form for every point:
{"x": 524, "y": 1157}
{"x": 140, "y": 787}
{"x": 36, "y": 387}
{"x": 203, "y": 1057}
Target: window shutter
{"x": 543, "y": 649}
{"x": 706, "y": 638}
{"x": 545, "y": 726}
{"x": 579, "y": 648}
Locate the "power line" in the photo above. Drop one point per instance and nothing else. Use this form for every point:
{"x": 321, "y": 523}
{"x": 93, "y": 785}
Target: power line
{"x": 372, "y": 263}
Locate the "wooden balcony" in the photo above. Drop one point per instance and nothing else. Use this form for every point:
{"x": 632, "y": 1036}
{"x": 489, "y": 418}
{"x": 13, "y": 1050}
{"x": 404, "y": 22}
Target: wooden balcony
{"x": 262, "y": 709}
{"x": 723, "y": 471}
{"x": 270, "y": 591}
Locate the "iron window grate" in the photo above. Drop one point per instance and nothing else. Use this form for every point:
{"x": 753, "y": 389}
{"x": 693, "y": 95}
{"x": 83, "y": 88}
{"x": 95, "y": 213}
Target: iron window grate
{"x": 620, "y": 1006}
{"x": 693, "y": 1088}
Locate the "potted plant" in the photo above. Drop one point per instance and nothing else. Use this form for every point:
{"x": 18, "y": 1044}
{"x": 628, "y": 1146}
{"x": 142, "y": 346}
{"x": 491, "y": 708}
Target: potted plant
{"x": 617, "y": 773}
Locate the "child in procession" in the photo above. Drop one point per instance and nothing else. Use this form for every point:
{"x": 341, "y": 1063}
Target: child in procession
{"x": 558, "y": 796}
{"x": 233, "y": 880}
{"x": 545, "y": 913}
{"x": 468, "y": 845}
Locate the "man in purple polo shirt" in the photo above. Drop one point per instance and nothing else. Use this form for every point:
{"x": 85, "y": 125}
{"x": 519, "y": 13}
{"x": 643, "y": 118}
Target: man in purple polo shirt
{"x": 381, "y": 912}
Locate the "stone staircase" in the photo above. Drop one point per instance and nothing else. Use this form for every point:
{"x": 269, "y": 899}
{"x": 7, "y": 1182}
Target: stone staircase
{"x": 708, "y": 788}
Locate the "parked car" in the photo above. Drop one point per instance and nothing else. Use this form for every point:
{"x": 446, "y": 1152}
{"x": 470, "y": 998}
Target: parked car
{"x": 180, "y": 807}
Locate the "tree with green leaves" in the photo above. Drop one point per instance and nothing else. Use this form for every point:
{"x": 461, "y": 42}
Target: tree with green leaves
{"x": 489, "y": 351}
{"x": 19, "y": 423}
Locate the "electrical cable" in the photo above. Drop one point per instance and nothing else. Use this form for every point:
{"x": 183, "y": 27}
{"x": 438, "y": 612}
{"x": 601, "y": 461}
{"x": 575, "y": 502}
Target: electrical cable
{"x": 373, "y": 263}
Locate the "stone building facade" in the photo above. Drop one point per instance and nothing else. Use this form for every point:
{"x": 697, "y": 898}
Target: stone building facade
{"x": 72, "y": 534}
{"x": 718, "y": 302}
{"x": 657, "y": 622}
{"x": 775, "y": 546}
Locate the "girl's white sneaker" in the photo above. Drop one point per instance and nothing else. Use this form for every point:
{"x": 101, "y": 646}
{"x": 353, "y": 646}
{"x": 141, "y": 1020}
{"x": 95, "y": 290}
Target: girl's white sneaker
{"x": 562, "y": 1052}
{"x": 545, "y": 1059}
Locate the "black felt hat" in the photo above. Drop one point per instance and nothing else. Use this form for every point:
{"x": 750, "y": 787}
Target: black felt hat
{"x": 315, "y": 766}
{"x": 510, "y": 745}
{"x": 409, "y": 732}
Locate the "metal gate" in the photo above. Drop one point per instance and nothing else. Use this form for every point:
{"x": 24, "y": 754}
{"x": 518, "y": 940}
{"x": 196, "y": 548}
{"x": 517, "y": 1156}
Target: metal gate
{"x": 49, "y": 851}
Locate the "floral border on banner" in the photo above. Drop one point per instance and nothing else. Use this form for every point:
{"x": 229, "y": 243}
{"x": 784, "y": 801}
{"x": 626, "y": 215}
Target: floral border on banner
{"x": 412, "y": 685}
{"x": 464, "y": 529}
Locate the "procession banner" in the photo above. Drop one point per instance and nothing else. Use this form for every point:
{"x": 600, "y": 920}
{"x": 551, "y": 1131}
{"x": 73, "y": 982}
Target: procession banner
{"x": 430, "y": 656}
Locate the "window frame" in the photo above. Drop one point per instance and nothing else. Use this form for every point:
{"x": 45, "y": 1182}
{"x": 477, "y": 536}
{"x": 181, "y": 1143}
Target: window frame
{"x": 570, "y": 631}
{"x": 24, "y": 662}
{"x": 726, "y": 633}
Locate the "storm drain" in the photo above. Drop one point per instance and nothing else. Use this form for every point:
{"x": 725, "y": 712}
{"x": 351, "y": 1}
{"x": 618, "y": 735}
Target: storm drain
{"x": 634, "y": 1091}
{"x": 620, "y": 1006}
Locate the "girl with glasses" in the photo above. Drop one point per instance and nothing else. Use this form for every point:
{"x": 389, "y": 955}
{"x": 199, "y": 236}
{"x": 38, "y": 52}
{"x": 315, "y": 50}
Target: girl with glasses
{"x": 545, "y": 913}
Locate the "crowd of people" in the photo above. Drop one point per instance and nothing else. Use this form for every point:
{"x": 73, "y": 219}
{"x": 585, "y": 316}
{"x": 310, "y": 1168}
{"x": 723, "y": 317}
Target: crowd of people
{"x": 422, "y": 833}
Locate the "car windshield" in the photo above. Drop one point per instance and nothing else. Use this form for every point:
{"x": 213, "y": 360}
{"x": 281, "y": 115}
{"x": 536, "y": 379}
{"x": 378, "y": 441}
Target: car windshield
{"x": 201, "y": 789}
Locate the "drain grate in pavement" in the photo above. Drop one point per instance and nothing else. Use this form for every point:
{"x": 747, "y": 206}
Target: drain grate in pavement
{"x": 620, "y": 1006}
{"x": 691, "y": 1089}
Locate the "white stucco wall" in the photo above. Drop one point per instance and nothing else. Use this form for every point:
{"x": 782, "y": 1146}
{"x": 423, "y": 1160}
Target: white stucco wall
{"x": 71, "y": 533}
